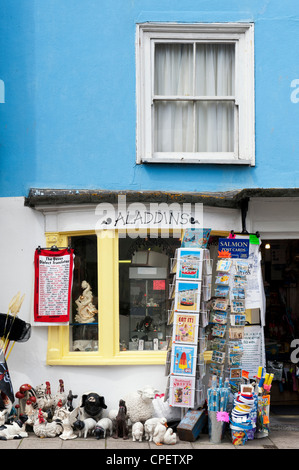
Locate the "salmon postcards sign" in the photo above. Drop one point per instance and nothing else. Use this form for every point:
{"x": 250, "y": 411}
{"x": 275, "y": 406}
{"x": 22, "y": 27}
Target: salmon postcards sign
{"x": 53, "y": 284}
{"x": 233, "y": 248}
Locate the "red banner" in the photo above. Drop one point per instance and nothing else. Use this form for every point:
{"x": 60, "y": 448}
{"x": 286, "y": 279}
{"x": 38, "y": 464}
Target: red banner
{"x": 53, "y": 285}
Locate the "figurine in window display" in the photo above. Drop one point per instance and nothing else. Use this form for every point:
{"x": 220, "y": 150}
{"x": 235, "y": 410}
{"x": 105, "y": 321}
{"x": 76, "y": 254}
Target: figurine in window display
{"x": 145, "y": 324}
{"x": 86, "y": 311}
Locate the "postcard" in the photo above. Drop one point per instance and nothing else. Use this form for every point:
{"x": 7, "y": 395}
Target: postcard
{"x": 182, "y": 391}
{"x": 236, "y": 333}
{"x": 187, "y": 296}
{"x": 218, "y": 330}
{"x": 237, "y": 306}
{"x": 219, "y": 317}
{"x": 239, "y": 281}
{"x": 237, "y": 320}
{"x": 222, "y": 278}
{"x": 238, "y": 293}
{"x": 183, "y": 360}
{"x": 221, "y": 291}
{"x": 185, "y": 328}
{"x": 242, "y": 267}
{"x": 218, "y": 357}
{"x": 220, "y": 304}
{"x": 224, "y": 265}
{"x": 196, "y": 238}
{"x": 189, "y": 263}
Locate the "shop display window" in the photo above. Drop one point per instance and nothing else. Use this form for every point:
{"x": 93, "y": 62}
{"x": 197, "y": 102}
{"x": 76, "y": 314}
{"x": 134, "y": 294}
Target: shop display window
{"x": 144, "y": 278}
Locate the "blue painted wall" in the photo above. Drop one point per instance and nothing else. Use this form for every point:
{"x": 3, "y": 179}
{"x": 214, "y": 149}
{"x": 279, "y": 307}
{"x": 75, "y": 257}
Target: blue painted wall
{"x": 69, "y": 115}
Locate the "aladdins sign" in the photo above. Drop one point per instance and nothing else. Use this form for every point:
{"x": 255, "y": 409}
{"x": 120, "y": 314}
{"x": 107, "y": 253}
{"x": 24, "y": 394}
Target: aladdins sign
{"x": 135, "y": 218}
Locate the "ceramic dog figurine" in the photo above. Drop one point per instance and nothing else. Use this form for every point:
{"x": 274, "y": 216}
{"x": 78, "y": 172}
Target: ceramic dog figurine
{"x": 121, "y": 422}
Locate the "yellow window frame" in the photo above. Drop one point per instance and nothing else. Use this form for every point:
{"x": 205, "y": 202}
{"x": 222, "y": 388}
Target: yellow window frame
{"x": 58, "y": 352}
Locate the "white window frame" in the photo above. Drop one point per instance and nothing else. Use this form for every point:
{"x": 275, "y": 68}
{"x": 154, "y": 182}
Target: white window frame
{"x": 242, "y": 34}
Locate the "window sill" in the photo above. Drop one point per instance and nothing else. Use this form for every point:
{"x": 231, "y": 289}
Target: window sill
{"x": 122, "y": 358}
{"x": 202, "y": 161}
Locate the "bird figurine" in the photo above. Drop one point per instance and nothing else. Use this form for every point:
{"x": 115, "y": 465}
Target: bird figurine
{"x": 60, "y": 396}
{"x": 45, "y": 401}
{"x": 169, "y": 437}
{"x": 68, "y": 418}
{"x": 160, "y": 431}
{"x": 42, "y": 428}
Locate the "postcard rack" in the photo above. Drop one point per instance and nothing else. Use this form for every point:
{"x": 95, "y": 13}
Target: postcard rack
{"x": 189, "y": 293}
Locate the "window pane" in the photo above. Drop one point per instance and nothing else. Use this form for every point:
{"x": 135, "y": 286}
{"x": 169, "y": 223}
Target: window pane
{"x": 84, "y": 314}
{"x": 173, "y": 69}
{"x": 143, "y": 292}
{"x": 215, "y": 70}
{"x": 173, "y": 126}
{"x": 215, "y": 126}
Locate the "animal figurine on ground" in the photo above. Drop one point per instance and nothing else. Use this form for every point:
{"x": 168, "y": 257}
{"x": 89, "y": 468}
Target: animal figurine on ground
{"x": 112, "y": 415}
{"x": 140, "y": 404}
{"x": 15, "y": 430}
{"x": 169, "y": 437}
{"x": 101, "y": 428}
{"x": 70, "y": 399}
{"x": 160, "y": 431}
{"x": 137, "y": 431}
{"x": 31, "y": 411}
{"x": 60, "y": 396}
{"x": 91, "y": 406}
{"x": 44, "y": 398}
{"x": 42, "y": 428}
{"x": 121, "y": 422}
{"x": 23, "y": 394}
{"x": 3, "y": 416}
{"x": 86, "y": 426}
{"x": 149, "y": 428}
{"x": 67, "y": 418}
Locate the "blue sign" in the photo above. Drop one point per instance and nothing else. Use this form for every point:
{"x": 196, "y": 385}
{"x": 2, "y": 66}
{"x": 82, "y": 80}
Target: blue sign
{"x": 237, "y": 247}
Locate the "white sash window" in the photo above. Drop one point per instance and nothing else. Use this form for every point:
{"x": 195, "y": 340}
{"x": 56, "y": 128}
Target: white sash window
{"x": 195, "y": 94}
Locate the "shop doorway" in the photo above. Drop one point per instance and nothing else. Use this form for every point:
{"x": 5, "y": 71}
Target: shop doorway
{"x": 280, "y": 267}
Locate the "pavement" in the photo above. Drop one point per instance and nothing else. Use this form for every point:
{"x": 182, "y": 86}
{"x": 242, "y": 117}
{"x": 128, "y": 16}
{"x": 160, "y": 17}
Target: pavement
{"x": 283, "y": 434}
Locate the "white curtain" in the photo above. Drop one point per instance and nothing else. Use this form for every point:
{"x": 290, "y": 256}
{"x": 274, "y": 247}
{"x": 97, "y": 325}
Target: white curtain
{"x": 200, "y": 126}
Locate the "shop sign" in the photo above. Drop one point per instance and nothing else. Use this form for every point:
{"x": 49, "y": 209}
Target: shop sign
{"x": 233, "y": 248}
{"x": 153, "y": 216}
